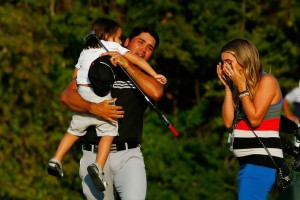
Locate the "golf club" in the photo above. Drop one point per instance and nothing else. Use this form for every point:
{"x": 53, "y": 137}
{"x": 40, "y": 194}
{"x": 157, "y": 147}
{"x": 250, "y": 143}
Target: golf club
{"x": 164, "y": 119}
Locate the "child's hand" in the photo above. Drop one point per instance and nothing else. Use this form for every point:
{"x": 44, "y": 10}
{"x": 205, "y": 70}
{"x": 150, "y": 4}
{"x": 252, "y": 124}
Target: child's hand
{"x": 161, "y": 78}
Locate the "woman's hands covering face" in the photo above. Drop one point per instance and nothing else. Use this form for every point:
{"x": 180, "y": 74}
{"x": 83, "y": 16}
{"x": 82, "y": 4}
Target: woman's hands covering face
{"x": 235, "y": 73}
{"x": 223, "y": 75}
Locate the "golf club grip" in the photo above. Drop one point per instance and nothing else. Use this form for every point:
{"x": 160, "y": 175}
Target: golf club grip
{"x": 171, "y": 127}
{"x": 173, "y": 130}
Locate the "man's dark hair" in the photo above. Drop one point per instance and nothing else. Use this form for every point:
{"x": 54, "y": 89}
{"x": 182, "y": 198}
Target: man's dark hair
{"x": 144, "y": 29}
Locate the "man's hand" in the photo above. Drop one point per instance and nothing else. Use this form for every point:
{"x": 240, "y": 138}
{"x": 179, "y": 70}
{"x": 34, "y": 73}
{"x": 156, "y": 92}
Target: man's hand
{"x": 117, "y": 58}
{"x": 107, "y": 111}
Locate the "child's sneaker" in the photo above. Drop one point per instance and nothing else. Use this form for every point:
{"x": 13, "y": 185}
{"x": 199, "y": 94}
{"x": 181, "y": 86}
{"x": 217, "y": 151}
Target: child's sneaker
{"x": 97, "y": 176}
{"x": 54, "y": 168}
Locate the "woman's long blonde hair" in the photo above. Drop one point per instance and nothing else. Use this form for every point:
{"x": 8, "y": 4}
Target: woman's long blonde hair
{"x": 247, "y": 56}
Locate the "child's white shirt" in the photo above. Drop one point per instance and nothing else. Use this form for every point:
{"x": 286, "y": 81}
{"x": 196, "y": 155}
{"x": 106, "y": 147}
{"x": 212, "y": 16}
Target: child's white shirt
{"x": 87, "y": 56}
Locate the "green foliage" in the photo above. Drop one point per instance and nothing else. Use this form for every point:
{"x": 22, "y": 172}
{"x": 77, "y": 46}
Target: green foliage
{"x": 40, "y": 42}
{"x": 187, "y": 167}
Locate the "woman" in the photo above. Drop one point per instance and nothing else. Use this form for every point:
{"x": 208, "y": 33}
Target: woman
{"x": 256, "y": 105}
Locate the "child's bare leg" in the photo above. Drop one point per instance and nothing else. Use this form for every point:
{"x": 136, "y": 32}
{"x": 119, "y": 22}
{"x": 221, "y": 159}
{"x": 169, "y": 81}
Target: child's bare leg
{"x": 65, "y": 144}
{"x": 54, "y": 166}
{"x": 95, "y": 170}
{"x": 103, "y": 150}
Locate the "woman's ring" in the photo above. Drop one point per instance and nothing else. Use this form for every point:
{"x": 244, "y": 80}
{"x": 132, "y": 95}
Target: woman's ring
{"x": 229, "y": 75}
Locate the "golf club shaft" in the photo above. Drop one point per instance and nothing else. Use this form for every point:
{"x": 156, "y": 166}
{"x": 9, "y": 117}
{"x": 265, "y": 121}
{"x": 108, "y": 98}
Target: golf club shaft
{"x": 170, "y": 126}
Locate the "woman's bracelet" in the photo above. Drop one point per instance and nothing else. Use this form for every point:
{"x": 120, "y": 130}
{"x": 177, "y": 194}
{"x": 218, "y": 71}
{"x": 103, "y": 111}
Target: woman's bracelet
{"x": 244, "y": 93}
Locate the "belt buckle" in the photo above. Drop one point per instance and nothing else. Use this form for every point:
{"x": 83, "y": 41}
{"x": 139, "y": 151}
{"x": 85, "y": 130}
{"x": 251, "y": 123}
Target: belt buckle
{"x": 90, "y": 147}
{"x": 94, "y": 148}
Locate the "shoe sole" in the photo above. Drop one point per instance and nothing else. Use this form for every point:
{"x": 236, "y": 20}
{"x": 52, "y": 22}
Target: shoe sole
{"x": 53, "y": 171}
{"x": 95, "y": 178}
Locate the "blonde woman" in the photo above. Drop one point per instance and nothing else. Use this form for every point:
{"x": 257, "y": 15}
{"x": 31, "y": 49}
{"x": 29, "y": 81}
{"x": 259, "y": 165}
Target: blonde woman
{"x": 256, "y": 105}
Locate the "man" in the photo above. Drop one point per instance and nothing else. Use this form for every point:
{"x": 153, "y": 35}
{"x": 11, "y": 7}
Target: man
{"x": 124, "y": 169}
{"x": 293, "y": 97}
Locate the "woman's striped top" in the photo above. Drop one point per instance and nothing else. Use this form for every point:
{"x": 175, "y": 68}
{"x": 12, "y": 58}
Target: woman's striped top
{"x": 248, "y": 149}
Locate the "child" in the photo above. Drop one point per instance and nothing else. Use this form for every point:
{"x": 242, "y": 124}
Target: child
{"x": 109, "y": 32}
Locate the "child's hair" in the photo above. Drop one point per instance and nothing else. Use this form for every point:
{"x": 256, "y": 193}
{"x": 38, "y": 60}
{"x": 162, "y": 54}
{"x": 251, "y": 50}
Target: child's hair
{"x": 103, "y": 28}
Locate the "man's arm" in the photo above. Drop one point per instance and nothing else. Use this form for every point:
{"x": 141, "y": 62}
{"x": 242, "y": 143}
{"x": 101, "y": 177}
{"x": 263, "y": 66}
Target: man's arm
{"x": 149, "y": 85}
{"x": 287, "y": 111}
{"x": 71, "y": 98}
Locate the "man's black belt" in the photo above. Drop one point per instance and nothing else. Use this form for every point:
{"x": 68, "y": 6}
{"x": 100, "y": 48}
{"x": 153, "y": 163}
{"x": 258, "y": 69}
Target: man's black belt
{"x": 115, "y": 147}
